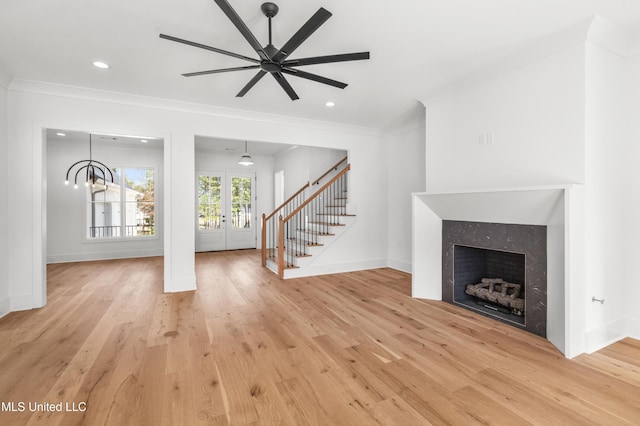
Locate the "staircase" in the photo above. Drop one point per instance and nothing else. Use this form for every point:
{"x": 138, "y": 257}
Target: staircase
{"x": 307, "y": 223}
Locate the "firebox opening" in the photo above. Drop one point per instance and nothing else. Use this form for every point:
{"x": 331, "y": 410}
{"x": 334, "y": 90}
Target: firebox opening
{"x": 491, "y": 282}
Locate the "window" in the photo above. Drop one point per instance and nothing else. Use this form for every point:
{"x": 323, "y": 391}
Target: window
{"x": 125, "y": 208}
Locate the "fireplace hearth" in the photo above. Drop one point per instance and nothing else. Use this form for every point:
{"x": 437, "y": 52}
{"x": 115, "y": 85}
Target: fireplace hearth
{"x": 497, "y": 270}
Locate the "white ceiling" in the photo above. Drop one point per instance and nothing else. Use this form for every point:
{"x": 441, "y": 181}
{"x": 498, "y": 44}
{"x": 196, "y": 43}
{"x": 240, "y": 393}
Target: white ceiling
{"x": 417, "y": 46}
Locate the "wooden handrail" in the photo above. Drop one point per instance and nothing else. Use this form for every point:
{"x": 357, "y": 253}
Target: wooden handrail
{"x": 288, "y": 200}
{"x": 318, "y": 192}
{"x": 334, "y": 167}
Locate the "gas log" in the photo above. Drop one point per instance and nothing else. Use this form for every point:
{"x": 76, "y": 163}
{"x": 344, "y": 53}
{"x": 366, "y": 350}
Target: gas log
{"x": 500, "y": 292}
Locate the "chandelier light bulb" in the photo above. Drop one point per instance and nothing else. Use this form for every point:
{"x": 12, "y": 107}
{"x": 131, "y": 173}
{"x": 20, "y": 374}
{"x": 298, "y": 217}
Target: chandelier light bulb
{"x": 66, "y": 182}
{"x": 75, "y": 186}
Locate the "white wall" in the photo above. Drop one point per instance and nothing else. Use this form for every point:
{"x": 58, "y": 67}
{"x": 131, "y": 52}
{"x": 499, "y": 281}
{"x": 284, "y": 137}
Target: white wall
{"x": 405, "y": 173}
{"x": 302, "y": 164}
{"x": 66, "y": 207}
{"x": 536, "y": 115}
{"x": 5, "y": 305}
{"x": 33, "y": 106}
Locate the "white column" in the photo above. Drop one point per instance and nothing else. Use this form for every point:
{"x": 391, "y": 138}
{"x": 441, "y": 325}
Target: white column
{"x": 179, "y": 236}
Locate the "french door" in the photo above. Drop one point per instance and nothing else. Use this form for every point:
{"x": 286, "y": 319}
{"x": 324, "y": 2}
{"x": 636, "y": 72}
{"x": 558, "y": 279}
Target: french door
{"x": 226, "y": 211}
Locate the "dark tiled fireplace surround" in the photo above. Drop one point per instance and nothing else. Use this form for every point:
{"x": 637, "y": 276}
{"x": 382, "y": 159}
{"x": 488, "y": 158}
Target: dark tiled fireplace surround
{"x": 516, "y": 253}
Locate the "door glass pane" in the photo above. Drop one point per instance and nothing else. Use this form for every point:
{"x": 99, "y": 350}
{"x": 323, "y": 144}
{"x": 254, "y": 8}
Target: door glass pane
{"x": 241, "y": 202}
{"x": 209, "y": 202}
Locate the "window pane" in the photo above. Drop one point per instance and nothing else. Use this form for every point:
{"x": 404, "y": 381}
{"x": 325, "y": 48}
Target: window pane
{"x": 241, "y": 202}
{"x": 104, "y": 220}
{"x": 139, "y": 199}
{"x": 209, "y": 212}
{"x": 103, "y": 209}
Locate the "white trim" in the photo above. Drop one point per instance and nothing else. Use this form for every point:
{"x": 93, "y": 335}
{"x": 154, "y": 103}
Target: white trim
{"x": 633, "y": 328}
{"x": 22, "y": 303}
{"x": 182, "y": 284}
{"x": 76, "y": 92}
{"x": 5, "y": 306}
{"x": 110, "y": 255}
{"x": 335, "y": 268}
{"x": 400, "y": 265}
{"x": 605, "y": 335}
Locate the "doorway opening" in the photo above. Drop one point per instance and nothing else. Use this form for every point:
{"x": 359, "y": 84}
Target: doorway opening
{"x": 226, "y": 211}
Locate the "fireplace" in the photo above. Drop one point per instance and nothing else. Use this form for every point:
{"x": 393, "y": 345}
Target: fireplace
{"x": 497, "y": 270}
{"x": 490, "y": 281}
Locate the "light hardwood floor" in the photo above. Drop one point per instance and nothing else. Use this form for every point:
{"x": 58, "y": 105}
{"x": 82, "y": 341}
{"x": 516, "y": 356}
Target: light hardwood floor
{"x": 247, "y": 348}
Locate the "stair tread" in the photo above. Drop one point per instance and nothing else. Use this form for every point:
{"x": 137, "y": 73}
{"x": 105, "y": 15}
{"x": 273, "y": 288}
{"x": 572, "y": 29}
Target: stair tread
{"x": 305, "y": 242}
{"x": 335, "y": 214}
{"x": 326, "y": 223}
{"x": 321, "y": 234}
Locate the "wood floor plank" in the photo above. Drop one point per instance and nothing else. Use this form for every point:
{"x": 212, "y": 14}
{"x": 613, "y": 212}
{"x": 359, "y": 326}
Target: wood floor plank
{"x": 249, "y": 348}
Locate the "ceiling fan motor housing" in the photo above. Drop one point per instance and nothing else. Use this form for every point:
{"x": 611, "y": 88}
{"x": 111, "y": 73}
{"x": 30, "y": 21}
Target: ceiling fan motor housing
{"x": 269, "y": 9}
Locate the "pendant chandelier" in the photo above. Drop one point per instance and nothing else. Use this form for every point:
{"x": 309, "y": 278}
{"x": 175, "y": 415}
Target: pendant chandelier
{"x": 92, "y": 170}
{"x": 245, "y": 160}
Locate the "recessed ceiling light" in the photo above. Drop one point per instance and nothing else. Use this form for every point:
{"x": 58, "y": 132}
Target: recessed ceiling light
{"x": 330, "y": 104}
{"x": 144, "y": 140}
{"x": 61, "y": 134}
{"x": 100, "y": 64}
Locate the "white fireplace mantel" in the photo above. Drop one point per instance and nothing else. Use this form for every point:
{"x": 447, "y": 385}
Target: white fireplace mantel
{"x": 559, "y": 208}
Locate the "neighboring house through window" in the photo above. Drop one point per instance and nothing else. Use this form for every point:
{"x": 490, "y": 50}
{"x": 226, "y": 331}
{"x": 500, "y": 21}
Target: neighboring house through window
{"x": 122, "y": 209}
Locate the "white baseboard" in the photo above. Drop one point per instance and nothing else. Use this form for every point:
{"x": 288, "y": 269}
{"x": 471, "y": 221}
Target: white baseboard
{"x": 87, "y": 257}
{"x": 600, "y": 337}
{"x": 21, "y": 303}
{"x": 336, "y": 268}
{"x": 5, "y": 307}
{"x": 177, "y": 285}
{"x": 400, "y": 265}
{"x": 633, "y": 327}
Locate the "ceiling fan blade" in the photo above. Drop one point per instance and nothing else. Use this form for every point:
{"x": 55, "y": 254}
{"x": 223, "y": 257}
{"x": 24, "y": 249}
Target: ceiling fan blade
{"x": 327, "y": 59}
{"x": 314, "y": 77}
{"x": 242, "y": 27}
{"x": 318, "y": 18}
{"x": 213, "y": 49}
{"x": 251, "y": 83}
{"x": 285, "y": 85}
{"x": 193, "y": 74}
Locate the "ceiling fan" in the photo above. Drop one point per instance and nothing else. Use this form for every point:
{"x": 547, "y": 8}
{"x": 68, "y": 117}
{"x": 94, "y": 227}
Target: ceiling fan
{"x": 272, "y": 60}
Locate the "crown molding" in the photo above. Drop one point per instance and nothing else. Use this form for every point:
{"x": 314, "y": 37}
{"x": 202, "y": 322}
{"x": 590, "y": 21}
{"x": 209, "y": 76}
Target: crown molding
{"x": 97, "y": 95}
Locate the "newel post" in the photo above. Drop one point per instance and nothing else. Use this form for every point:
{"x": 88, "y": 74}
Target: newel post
{"x": 264, "y": 240}
{"x": 280, "y": 247}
